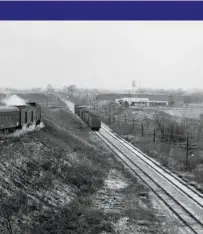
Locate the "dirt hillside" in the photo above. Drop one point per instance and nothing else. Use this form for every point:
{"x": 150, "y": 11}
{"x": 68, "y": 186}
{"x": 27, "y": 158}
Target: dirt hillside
{"x": 60, "y": 178}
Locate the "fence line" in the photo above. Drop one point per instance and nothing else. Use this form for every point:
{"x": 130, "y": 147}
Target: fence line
{"x": 183, "y": 141}
{"x": 110, "y": 115}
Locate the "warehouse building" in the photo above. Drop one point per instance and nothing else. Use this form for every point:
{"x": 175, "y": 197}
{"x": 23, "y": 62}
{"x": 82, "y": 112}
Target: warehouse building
{"x": 144, "y": 99}
{"x": 140, "y": 102}
{"x": 133, "y": 101}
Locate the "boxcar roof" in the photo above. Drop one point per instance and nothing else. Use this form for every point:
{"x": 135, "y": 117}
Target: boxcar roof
{"x": 25, "y": 106}
{"x": 93, "y": 115}
{"x": 81, "y": 106}
{"x": 8, "y": 109}
{"x": 85, "y": 110}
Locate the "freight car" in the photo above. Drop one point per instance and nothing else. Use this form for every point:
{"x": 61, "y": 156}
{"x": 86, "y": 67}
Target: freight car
{"x": 92, "y": 120}
{"x": 76, "y": 109}
{"x": 16, "y": 117}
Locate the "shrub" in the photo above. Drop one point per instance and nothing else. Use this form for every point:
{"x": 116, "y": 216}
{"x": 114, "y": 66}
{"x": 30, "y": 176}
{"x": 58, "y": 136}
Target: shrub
{"x": 198, "y": 172}
{"x": 75, "y": 218}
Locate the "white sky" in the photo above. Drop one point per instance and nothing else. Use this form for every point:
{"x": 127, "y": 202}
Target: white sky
{"x": 101, "y": 54}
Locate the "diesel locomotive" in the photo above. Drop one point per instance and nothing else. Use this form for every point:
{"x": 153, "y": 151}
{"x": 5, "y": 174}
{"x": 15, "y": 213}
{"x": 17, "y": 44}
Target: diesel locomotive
{"x": 17, "y": 117}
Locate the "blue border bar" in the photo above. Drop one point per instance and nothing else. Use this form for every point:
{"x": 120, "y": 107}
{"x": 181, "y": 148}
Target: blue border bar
{"x": 101, "y": 10}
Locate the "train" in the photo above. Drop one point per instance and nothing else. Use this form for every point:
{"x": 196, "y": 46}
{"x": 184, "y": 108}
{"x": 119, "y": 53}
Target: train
{"x": 19, "y": 116}
{"x": 91, "y": 119}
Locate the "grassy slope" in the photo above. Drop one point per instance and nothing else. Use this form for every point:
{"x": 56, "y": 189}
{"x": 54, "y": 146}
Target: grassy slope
{"x": 52, "y": 179}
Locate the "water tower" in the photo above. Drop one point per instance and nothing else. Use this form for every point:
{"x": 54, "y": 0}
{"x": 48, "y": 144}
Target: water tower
{"x": 134, "y": 87}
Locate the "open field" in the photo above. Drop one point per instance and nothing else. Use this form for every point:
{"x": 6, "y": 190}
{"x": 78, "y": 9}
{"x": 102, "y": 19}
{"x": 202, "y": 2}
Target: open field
{"x": 144, "y": 128}
{"x": 190, "y": 112}
{"x": 172, "y": 156}
{"x": 62, "y": 179}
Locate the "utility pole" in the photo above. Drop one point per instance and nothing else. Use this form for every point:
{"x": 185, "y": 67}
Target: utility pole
{"x": 187, "y": 146}
{"x": 154, "y": 135}
{"x": 142, "y": 127}
{"x": 109, "y": 114}
{"x": 48, "y": 107}
{"x": 94, "y": 98}
{"x": 187, "y": 149}
{"x": 133, "y": 124}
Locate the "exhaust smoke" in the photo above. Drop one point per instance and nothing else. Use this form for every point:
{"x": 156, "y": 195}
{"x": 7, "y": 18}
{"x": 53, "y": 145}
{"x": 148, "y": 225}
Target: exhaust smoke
{"x": 24, "y": 130}
{"x": 13, "y": 100}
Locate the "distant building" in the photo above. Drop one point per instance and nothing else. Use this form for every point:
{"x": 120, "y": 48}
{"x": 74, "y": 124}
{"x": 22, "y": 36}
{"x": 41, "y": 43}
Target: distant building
{"x": 158, "y": 103}
{"x": 133, "y": 101}
{"x": 153, "y": 99}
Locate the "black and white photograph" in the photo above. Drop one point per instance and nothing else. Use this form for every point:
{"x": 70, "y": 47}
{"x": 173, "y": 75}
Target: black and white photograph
{"x": 101, "y": 127}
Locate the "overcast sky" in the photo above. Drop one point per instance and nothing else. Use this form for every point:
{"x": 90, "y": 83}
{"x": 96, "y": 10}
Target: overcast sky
{"x": 101, "y": 54}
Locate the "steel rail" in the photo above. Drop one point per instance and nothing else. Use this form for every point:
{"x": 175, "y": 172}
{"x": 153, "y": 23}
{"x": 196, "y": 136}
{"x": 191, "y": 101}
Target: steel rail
{"x": 125, "y": 157}
{"x": 152, "y": 163}
{"x": 196, "y": 226}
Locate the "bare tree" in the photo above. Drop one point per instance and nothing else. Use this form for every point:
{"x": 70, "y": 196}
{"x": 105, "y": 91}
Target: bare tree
{"x": 50, "y": 89}
{"x": 72, "y": 88}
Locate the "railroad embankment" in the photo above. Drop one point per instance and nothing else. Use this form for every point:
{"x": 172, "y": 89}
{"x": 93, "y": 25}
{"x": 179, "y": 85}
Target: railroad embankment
{"x": 60, "y": 178}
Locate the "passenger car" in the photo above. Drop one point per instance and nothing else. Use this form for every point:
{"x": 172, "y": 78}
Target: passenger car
{"x": 19, "y": 116}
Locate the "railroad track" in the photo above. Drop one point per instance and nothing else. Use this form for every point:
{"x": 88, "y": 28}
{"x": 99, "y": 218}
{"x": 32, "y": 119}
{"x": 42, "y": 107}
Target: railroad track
{"x": 183, "y": 200}
{"x": 153, "y": 163}
{"x": 180, "y": 198}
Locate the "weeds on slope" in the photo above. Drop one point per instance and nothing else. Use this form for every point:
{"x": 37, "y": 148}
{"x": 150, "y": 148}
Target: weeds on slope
{"x": 52, "y": 175}
{"x": 36, "y": 163}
